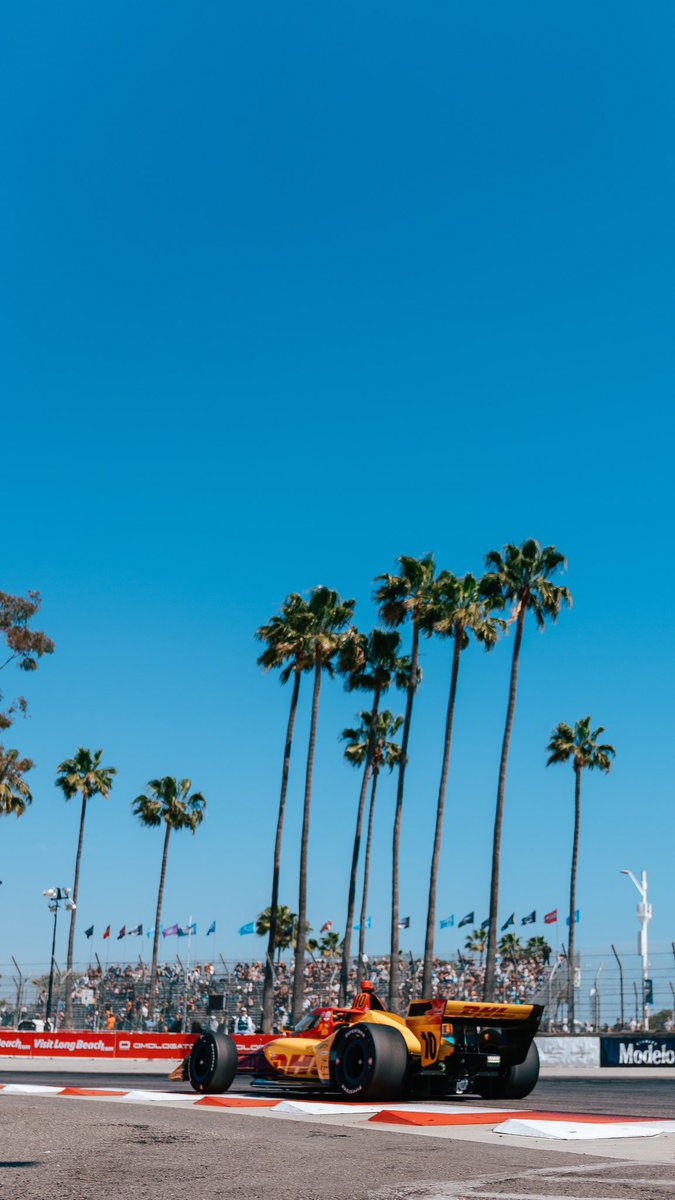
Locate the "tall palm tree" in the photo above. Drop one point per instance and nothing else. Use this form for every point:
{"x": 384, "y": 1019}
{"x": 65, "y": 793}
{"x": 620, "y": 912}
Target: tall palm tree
{"x": 82, "y": 775}
{"x": 582, "y": 747}
{"x": 284, "y": 927}
{"x": 172, "y": 803}
{"x": 15, "y": 793}
{"x": 401, "y": 597}
{"x": 374, "y": 737}
{"x": 476, "y": 943}
{"x": 328, "y": 614}
{"x": 371, "y": 664}
{"x": 519, "y": 576}
{"x": 458, "y": 609}
{"x": 285, "y": 650}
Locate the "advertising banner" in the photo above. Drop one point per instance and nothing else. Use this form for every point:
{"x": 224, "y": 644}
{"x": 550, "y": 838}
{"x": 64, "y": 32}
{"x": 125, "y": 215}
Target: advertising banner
{"x": 86, "y": 1044}
{"x": 637, "y": 1050}
{"x": 154, "y": 1045}
{"x": 73, "y": 1045}
{"x": 12, "y": 1042}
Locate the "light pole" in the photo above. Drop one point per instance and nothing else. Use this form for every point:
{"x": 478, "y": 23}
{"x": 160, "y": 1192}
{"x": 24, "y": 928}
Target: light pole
{"x": 55, "y": 896}
{"x": 644, "y": 912}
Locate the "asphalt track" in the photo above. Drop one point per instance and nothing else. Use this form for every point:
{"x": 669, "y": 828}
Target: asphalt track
{"x": 80, "y": 1149}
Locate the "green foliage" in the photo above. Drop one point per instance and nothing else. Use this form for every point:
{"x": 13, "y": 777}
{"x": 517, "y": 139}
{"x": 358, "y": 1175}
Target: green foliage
{"x": 24, "y": 646}
{"x": 581, "y": 745}
{"x": 385, "y": 751}
{"x": 83, "y": 775}
{"x": 170, "y": 802}
{"x": 15, "y": 793}
{"x": 521, "y": 576}
{"x": 285, "y": 930}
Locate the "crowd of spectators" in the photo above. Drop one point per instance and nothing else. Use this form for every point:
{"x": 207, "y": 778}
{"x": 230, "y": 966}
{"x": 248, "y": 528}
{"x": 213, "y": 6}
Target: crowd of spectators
{"x": 208, "y": 994}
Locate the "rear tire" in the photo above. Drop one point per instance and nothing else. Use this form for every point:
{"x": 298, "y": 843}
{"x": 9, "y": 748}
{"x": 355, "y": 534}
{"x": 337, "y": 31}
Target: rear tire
{"x": 212, "y": 1064}
{"x": 515, "y": 1084}
{"x": 369, "y": 1062}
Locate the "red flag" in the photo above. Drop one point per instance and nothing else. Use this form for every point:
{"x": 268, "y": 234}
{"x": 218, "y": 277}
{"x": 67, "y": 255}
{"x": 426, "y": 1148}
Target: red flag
{"x": 325, "y": 928}
{"x": 107, "y": 932}
{"x": 551, "y": 918}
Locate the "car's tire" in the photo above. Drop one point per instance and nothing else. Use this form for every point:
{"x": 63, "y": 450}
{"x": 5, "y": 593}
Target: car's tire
{"x": 369, "y": 1062}
{"x": 212, "y": 1064}
{"x": 517, "y": 1082}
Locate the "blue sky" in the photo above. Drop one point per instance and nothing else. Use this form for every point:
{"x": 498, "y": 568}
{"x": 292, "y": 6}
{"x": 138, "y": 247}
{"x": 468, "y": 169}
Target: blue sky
{"x": 288, "y": 291}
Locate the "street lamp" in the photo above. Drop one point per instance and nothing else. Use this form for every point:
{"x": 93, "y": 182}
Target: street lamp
{"x": 55, "y": 897}
{"x": 644, "y": 912}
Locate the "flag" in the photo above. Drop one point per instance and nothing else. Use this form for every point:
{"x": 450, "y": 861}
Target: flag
{"x": 511, "y": 921}
{"x": 250, "y": 928}
{"x": 186, "y": 930}
{"x": 577, "y": 917}
{"x": 326, "y": 927}
{"x": 367, "y": 923}
{"x": 404, "y": 923}
{"x": 107, "y": 932}
{"x": 211, "y": 928}
{"x": 170, "y": 931}
{"x": 88, "y": 932}
{"x": 530, "y": 919}
{"x": 467, "y": 920}
{"x": 485, "y": 924}
{"x": 151, "y": 932}
{"x": 447, "y": 922}
{"x": 122, "y": 933}
{"x": 137, "y": 932}
{"x": 551, "y": 918}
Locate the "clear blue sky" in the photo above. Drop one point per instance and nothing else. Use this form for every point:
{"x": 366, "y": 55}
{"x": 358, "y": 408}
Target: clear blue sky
{"x": 289, "y": 290}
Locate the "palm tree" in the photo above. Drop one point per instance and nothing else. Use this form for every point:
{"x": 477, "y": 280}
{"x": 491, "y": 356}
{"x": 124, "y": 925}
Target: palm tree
{"x": 374, "y": 737}
{"x": 476, "y": 943}
{"x": 81, "y": 775}
{"x": 401, "y": 597}
{"x": 284, "y": 928}
{"x": 15, "y": 793}
{"x": 285, "y": 649}
{"x": 458, "y": 609}
{"x": 582, "y": 746}
{"x": 519, "y": 576}
{"x": 170, "y": 802}
{"x": 510, "y": 945}
{"x": 371, "y": 664}
{"x": 327, "y": 617}
{"x": 538, "y": 947}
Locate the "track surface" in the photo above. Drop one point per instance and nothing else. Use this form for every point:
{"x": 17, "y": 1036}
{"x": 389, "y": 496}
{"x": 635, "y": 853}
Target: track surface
{"x": 624, "y": 1097}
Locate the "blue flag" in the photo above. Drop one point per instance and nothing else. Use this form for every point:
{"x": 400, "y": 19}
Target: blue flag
{"x": 447, "y": 922}
{"x": 511, "y": 921}
{"x": 250, "y": 928}
{"x": 467, "y": 920}
{"x": 211, "y": 928}
{"x": 366, "y": 925}
{"x": 577, "y": 917}
{"x": 485, "y": 924}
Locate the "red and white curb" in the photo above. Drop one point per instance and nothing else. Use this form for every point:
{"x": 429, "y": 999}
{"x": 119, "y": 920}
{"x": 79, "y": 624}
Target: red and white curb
{"x": 519, "y": 1123}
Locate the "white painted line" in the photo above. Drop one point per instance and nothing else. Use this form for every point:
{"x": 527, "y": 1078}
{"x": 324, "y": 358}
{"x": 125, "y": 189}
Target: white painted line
{"x": 30, "y": 1089}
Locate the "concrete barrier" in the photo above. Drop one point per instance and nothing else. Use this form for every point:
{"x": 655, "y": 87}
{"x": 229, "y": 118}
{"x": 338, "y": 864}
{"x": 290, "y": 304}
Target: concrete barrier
{"x": 566, "y": 1051}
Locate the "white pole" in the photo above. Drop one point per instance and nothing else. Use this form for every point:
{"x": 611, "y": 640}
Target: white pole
{"x": 644, "y": 913}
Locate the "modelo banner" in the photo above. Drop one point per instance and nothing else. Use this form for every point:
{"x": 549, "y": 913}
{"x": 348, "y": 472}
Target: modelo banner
{"x": 85, "y": 1044}
{"x": 637, "y": 1051}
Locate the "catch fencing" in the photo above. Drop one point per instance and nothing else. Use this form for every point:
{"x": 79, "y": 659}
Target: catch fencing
{"x": 608, "y": 990}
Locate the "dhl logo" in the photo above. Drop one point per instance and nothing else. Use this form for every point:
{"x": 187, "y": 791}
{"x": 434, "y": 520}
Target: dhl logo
{"x": 483, "y": 1010}
{"x": 295, "y": 1064}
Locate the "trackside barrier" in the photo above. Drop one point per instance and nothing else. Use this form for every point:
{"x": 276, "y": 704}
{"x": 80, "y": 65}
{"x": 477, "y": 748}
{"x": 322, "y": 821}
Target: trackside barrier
{"x": 568, "y": 1051}
{"x": 637, "y": 1051}
{"x": 85, "y": 1044}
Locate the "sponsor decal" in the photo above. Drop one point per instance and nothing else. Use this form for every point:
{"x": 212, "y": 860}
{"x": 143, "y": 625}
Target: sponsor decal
{"x": 637, "y": 1051}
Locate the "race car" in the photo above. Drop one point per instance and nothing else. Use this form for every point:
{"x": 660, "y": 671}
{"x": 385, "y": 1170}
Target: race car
{"x": 441, "y": 1048}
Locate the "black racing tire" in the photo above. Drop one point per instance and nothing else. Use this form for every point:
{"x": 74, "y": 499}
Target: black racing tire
{"x": 515, "y": 1084}
{"x": 369, "y": 1062}
{"x": 212, "y": 1064}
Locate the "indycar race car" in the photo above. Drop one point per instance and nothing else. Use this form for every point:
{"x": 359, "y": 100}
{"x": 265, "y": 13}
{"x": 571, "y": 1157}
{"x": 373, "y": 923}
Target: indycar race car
{"x": 441, "y": 1048}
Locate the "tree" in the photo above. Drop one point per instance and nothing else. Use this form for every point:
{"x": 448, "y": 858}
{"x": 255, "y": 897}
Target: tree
{"x": 284, "y": 928}
{"x": 328, "y": 615}
{"x": 519, "y": 576}
{"x": 402, "y": 597}
{"x": 172, "y": 803}
{"x": 371, "y": 664}
{"x": 285, "y": 650}
{"x": 510, "y": 946}
{"x": 25, "y": 646}
{"x": 458, "y": 609}
{"x": 582, "y": 747}
{"x": 538, "y": 947}
{"x": 82, "y": 775}
{"x": 377, "y": 737}
{"x": 15, "y": 793}
{"x": 476, "y": 943}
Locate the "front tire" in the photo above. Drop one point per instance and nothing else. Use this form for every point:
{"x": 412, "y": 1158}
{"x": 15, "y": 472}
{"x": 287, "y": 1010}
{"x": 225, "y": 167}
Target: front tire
{"x": 369, "y": 1062}
{"x": 212, "y": 1064}
{"x": 517, "y": 1083}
